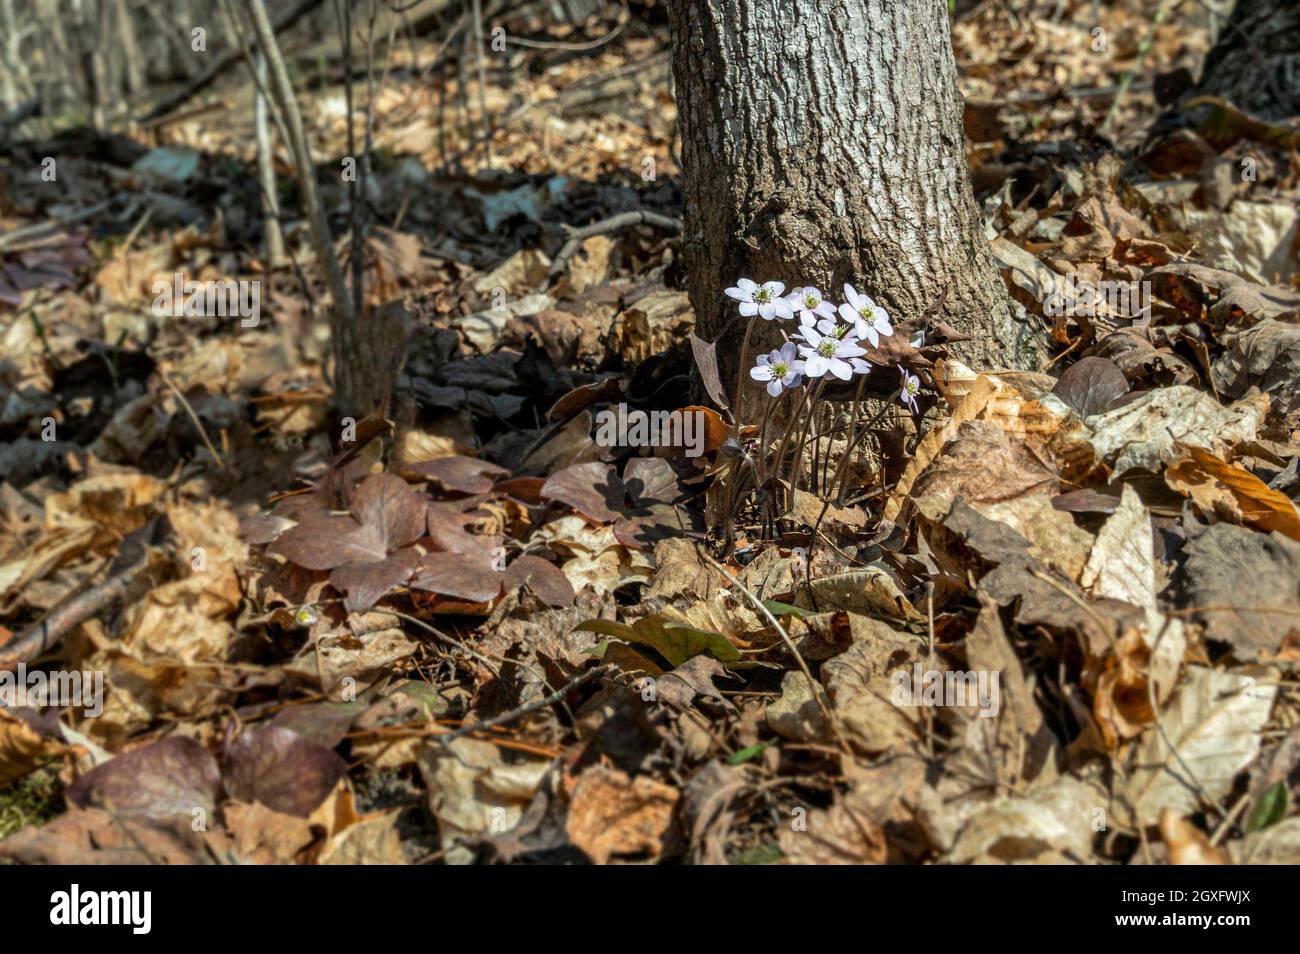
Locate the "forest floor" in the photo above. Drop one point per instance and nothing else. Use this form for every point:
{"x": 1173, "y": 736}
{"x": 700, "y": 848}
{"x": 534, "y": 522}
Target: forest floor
{"x": 464, "y": 631}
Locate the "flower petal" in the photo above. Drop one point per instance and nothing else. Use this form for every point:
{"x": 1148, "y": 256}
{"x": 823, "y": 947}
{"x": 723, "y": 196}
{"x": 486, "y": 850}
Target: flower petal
{"x": 748, "y": 309}
{"x": 774, "y": 388}
{"x": 783, "y": 309}
{"x": 737, "y": 293}
{"x": 747, "y": 284}
{"x": 766, "y": 310}
{"x": 841, "y": 369}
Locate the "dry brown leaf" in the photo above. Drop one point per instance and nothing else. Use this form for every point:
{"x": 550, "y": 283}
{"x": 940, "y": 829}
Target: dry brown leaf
{"x": 612, "y": 814}
{"x": 1232, "y": 492}
{"x": 1187, "y": 844}
{"x": 22, "y": 750}
{"x": 975, "y": 400}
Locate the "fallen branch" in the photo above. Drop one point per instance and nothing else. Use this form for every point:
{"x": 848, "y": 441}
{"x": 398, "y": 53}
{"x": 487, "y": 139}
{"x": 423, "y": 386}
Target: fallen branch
{"x": 42, "y": 636}
{"x": 615, "y": 223}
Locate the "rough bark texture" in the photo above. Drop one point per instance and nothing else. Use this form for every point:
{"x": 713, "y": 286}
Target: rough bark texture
{"x": 1256, "y": 62}
{"x": 822, "y": 143}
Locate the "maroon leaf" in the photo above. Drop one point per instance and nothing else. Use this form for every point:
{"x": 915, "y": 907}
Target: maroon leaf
{"x": 654, "y": 488}
{"x": 262, "y": 528}
{"x": 281, "y": 769}
{"x": 386, "y": 504}
{"x": 160, "y": 781}
{"x": 366, "y": 583}
{"x": 706, "y": 359}
{"x": 466, "y": 475}
{"x": 593, "y": 489}
{"x": 325, "y": 723}
{"x": 651, "y": 479}
{"x": 389, "y": 515}
{"x": 649, "y": 524}
{"x": 527, "y": 489}
{"x": 542, "y": 577}
{"x": 1087, "y": 500}
{"x": 1091, "y": 386}
{"x": 581, "y": 398}
{"x": 468, "y": 575}
{"x": 324, "y": 542}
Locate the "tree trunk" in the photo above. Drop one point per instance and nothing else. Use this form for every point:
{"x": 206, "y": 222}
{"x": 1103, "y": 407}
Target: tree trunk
{"x": 822, "y": 144}
{"x": 1256, "y": 62}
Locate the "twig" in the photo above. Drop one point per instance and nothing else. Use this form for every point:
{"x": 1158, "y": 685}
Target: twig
{"x": 615, "y": 223}
{"x": 813, "y": 685}
{"x": 195, "y": 418}
{"x": 12, "y": 240}
{"x": 574, "y": 47}
{"x": 44, "y": 635}
{"x": 482, "y": 78}
{"x": 343, "y": 326}
{"x": 520, "y": 711}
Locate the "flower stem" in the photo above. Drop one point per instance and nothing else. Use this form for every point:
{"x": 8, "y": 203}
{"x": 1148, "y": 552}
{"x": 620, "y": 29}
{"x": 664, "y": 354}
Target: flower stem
{"x": 803, "y": 437}
{"x": 740, "y": 375}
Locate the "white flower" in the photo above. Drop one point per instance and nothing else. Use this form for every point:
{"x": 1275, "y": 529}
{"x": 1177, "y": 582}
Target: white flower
{"x": 809, "y": 305}
{"x": 869, "y": 320}
{"x": 911, "y": 387}
{"x": 780, "y": 369}
{"x": 824, "y": 353}
{"x": 825, "y": 326}
{"x": 764, "y": 299}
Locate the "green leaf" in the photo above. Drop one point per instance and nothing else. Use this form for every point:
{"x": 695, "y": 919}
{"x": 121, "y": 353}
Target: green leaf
{"x": 675, "y": 642}
{"x": 747, "y": 753}
{"x": 777, "y": 608}
{"x": 1269, "y": 810}
{"x": 760, "y": 855}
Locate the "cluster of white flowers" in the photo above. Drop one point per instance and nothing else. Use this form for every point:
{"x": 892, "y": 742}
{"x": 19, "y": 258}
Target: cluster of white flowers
{"x": 823, "y": 344}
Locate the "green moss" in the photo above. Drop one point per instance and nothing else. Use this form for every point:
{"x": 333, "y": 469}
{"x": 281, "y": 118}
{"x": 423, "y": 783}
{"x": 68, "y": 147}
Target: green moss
{"x": 32, "y": 800}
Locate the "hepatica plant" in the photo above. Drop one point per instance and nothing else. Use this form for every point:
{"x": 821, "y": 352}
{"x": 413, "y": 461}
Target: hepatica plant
{"x": 825, "y": 342}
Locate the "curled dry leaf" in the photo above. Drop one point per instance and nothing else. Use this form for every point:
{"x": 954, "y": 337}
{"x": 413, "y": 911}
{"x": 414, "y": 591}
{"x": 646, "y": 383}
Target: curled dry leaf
{"x": 612, "y": 814}
{"x": 1232, "y": 492}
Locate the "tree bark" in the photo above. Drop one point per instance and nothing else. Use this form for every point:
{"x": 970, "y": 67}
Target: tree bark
{"x": 1256, "y": 62}
{"x": 822, "y": 144}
